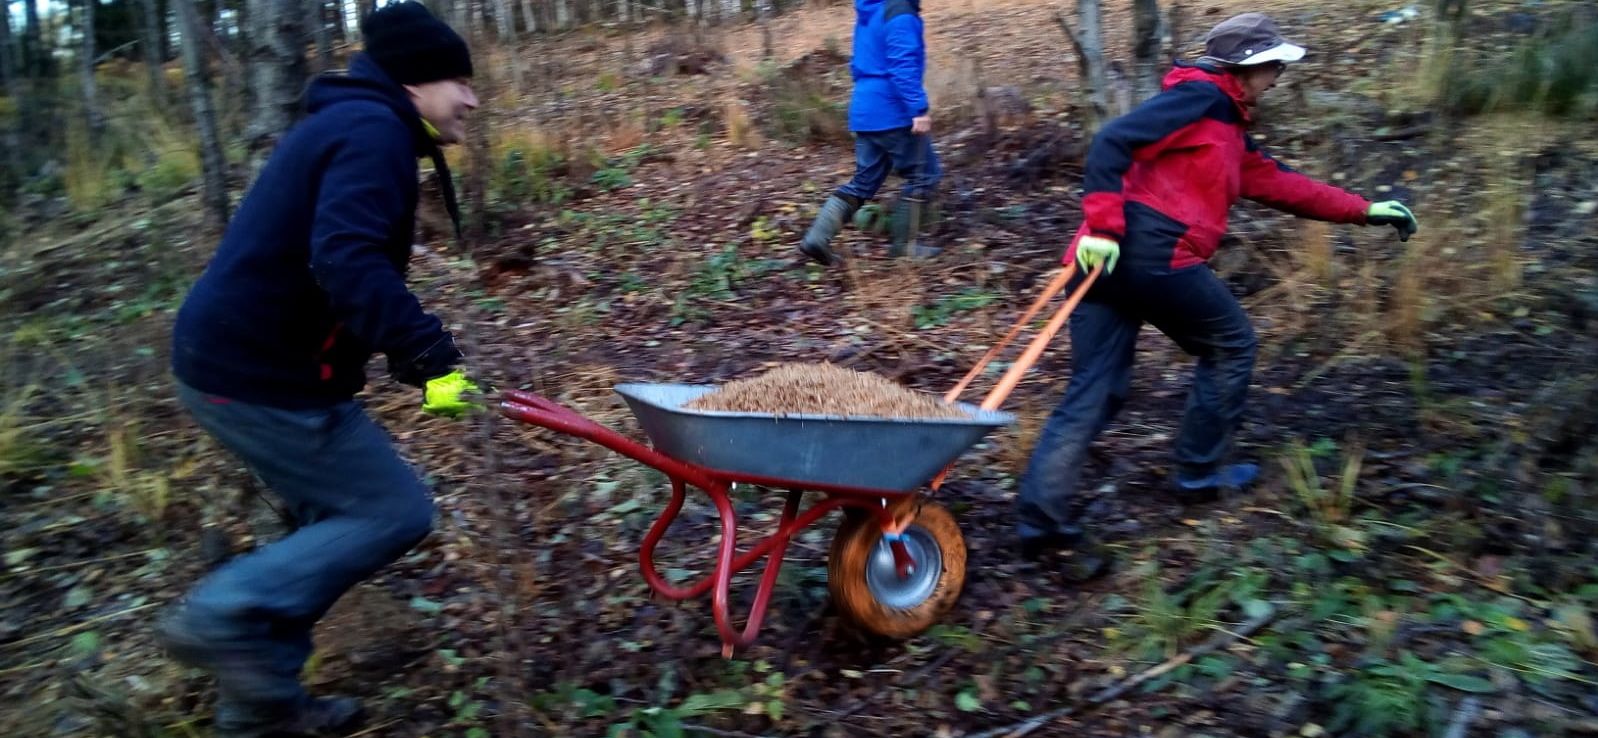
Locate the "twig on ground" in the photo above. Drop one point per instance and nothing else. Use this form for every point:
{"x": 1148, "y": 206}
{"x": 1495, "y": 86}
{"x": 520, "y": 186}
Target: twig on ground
{"x": 1216, "y": 642}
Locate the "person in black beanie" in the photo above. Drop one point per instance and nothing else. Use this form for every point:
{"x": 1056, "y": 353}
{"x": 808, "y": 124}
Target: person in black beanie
{"x": 270, "y": 348}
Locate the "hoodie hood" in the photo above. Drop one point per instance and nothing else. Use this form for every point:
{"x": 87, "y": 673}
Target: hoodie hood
{"x": 864, "y": 8}
{"x": 366, "y": 81}
{"x": 1184, "y": 72}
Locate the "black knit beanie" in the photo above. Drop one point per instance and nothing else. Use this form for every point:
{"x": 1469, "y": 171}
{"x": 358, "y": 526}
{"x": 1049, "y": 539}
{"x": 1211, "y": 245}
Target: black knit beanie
{"x": 414, "y": 47}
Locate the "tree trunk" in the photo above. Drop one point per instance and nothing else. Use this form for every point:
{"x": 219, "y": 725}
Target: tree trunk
{"x": 212, "y": 161}
{"x": 1148, "y": 65}
{"x": 728, "y": 11}
{"x": 153, "y": 31}
{"x": 529, "y": 18}
{"x": 11, "y": 137}
{"x": 504, "y": 17}
{"x": 89, "y": 87}
{"x": 34, "y": 58}
{"x": 322, "y": 33}
{"x": 624, "y": 11}
{"x": 276, "y": 62}
{"x": 563, "y": 14}
{"x": 1089, "y": 64}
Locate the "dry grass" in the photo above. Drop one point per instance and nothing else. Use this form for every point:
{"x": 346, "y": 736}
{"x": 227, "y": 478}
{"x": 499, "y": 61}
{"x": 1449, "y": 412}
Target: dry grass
{"x": 741, "y": 128}
{"x": 886, "y": 295}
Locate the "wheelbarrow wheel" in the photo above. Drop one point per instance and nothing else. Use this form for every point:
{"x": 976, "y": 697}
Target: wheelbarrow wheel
{"x": 865, "y": 584}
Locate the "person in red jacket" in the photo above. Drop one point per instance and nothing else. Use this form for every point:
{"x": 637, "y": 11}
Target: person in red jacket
{"x": 1159, "y": 183}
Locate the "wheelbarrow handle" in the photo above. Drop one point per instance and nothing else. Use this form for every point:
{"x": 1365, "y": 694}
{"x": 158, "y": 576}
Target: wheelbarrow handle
{"x": 1054, "y": 287}
{"x": 542, "y": 411}
{"x": 1034, "y": 350}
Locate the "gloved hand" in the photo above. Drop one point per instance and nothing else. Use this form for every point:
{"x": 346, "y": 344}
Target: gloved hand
{"x": 443, "y": 395}
{"x": 1093, "y": 250}
{"x": 1393, "y": 213}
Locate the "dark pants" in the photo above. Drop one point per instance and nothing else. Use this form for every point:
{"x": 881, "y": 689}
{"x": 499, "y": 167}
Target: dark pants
{"x": 877, "y": 153}
{"x": 359, "y": 506}
{"x": 1191, "y": 306}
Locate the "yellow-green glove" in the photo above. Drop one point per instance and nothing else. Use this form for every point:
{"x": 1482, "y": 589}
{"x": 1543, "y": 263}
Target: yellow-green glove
{"x": 1094, "y": 250}
{"x": 1393, "y": 213}
{"x": 443, "y": 395}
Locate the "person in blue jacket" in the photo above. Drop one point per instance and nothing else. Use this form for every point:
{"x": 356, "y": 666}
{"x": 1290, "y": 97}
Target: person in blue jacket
{"x": 892, "y": 124}
{"x": 270, "y": 347}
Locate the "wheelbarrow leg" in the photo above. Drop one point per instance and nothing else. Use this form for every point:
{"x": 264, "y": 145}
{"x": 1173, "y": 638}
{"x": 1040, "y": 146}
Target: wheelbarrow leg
{"x": 731, "y": 638}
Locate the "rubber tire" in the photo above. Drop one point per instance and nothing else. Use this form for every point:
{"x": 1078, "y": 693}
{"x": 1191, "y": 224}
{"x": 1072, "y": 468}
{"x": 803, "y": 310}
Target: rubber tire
{"x": 851, "y": 548}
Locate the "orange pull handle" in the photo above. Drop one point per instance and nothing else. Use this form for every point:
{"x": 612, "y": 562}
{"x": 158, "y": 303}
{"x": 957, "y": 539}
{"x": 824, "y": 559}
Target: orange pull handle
{"x": 1054, "y": 287}
{"x": 1034, "y": 350}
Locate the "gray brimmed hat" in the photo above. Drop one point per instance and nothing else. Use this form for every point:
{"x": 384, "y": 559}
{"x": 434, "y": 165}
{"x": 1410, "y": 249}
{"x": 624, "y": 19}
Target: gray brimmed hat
{"x": 1247, "y": 40}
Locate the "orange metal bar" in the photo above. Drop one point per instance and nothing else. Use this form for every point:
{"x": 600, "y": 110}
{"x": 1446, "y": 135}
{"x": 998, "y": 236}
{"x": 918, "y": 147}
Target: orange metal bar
{"x": 1054, "y": 288}
{"x": 1034, "y": 350}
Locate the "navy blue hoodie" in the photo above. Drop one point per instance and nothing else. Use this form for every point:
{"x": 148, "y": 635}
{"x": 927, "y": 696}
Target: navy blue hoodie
{"x": 309, "y": 280}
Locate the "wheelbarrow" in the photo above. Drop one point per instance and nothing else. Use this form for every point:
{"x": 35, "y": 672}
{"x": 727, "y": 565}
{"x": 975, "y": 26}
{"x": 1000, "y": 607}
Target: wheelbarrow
{"x": 896, "y": 563}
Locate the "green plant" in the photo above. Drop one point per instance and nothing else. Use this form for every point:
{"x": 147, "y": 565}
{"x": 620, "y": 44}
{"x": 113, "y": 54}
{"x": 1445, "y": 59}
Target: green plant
{"x": 1161, "y": 621}
{"x": 1382, "y": 698}
{"x": 940, "y": 312}
{"x": 612, "y": 178}
{"x": 1553, "y": 75}
{"x": 173, "y": 170}
{"x": 1329, "y": 507}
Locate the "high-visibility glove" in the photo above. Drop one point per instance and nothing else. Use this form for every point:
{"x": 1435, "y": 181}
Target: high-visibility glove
{"x": 1094, "y": 250}
{"x": 444, "y": 395}
{"x": 1393, "y": 213}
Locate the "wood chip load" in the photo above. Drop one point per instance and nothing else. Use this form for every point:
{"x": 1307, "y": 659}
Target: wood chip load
{"x": 824, "y": 389}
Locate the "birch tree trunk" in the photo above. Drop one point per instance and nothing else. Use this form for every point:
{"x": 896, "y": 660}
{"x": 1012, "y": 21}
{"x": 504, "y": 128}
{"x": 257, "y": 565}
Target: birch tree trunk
{"x": 507, "y": 40}
{"x": 529, "y": 18}
{"x": 275, "y": 60}
{"x": 728, "y": 11}
{"x": 152, "y": 29}
{"x": 89, "y": 87}
{"x": 563, "y": 14}
{"x": 212, "y": 161}
{"x": 323, "y": 34}
{"x": 1148, "y": 66}
{"x": 1089, "y": 48}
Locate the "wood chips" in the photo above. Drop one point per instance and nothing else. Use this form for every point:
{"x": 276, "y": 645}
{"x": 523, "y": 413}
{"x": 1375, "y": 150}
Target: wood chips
{"x": 824, "y": 389}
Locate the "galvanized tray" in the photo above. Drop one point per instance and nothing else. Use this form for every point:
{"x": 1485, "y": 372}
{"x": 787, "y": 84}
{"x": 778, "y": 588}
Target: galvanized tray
{"x": 890, "y": 454}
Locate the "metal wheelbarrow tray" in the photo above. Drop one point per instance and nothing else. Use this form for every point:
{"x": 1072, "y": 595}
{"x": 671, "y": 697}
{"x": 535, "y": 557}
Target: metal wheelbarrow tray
{"x": 812, "y": 451}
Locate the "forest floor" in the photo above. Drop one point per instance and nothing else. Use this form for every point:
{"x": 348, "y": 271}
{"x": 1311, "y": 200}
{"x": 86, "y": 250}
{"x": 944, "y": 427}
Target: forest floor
{"x": 1419, "y": 558}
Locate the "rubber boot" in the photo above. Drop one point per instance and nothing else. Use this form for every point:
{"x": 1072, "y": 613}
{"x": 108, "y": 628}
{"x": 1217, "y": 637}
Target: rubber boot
{"x": 907, "y": 215}
{"x": 817, "y": 241}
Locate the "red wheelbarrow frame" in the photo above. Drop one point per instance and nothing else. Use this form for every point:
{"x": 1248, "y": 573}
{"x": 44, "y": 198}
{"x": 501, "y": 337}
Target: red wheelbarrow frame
{"x": 541, "y": 411}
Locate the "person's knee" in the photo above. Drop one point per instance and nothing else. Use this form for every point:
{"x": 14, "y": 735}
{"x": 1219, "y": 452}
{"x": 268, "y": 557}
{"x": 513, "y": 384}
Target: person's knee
{"x": 412, "y": 522}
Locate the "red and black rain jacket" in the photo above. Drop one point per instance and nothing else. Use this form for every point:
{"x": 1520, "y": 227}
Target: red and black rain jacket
{"x": 1161, "y": 178}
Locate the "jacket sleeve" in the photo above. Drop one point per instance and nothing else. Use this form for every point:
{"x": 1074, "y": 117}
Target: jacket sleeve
{"x": 1271, "y": 183}
{"x": 907, "y": 62}
{"x": 1166, "y": 121}
{"x": 363, "y": 195}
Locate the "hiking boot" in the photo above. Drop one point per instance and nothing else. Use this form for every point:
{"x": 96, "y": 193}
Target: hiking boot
{"x": 1078, "y": 556}
{"x": 1208, "y": 487}
{"x": 817, "y": 241}
{"x": 313, "y": 716}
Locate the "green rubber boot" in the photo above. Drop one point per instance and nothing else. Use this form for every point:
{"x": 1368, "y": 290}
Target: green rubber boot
{"x": 907, "y": 215}
{"x": 817, "y": 241}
